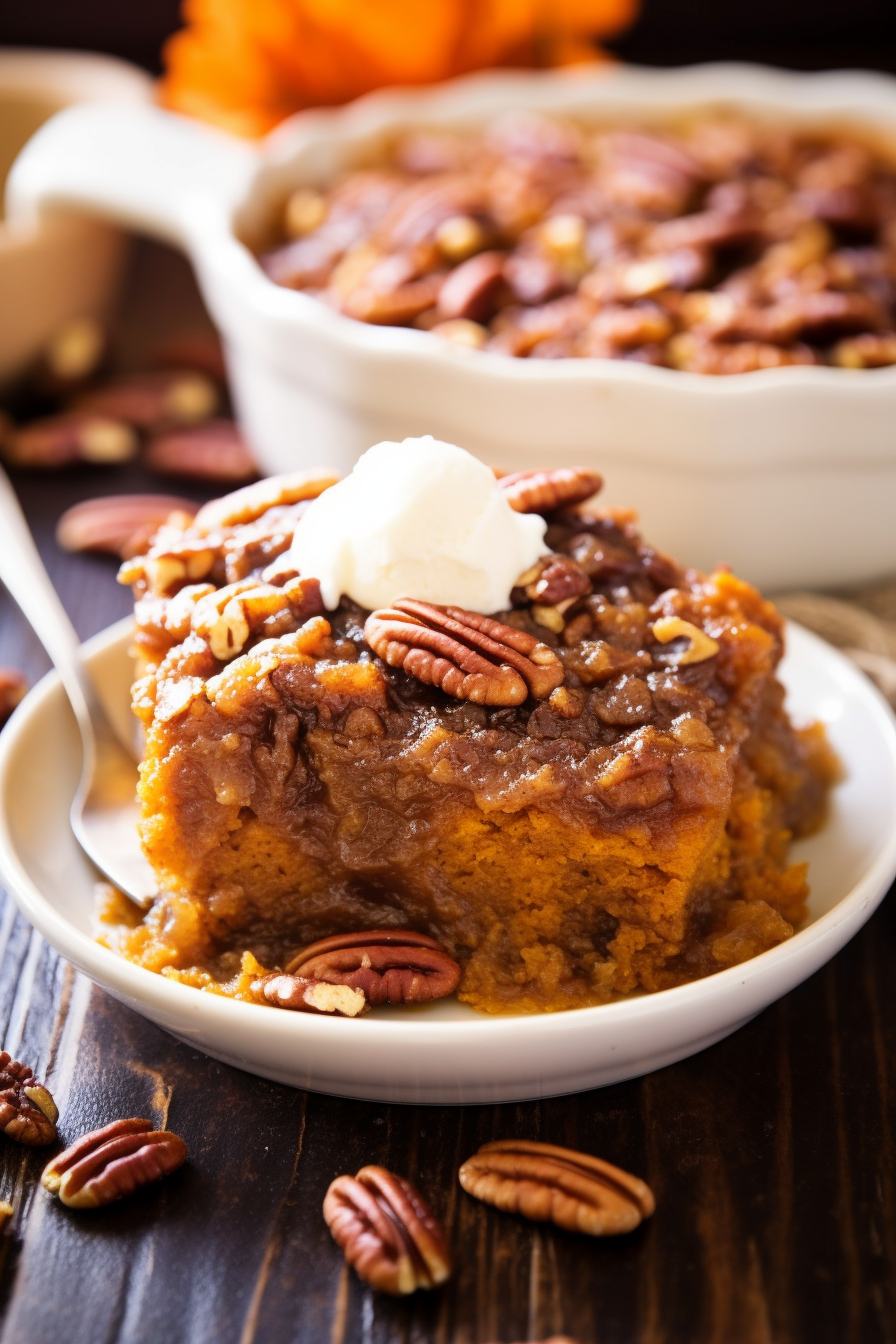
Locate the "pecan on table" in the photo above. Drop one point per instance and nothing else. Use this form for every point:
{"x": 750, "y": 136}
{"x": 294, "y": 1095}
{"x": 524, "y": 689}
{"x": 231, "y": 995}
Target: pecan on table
{"x": 387, "y": 1232}
{"x": 121, "y": 525}
{"x": 28, "y": 1113}
{"x": 469, "y": 656}
{"x": 12, "y": 691}
{"x": 304, "y": 995}
{"x": 545, "y": 491}
{"x": 549, "y": 1184}
{"x": 386, "y": 965}
{"x": 112, "y": 1162}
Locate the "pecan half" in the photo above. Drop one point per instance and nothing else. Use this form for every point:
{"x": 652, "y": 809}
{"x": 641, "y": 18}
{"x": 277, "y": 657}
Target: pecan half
{"x": 549, "y": 1184}
{"x": 305, "y": 995}
{"x": 112, "y": 1162}
{"x": 12, "y": 691}
{"x": 61, "y": 440}
{"x": 386, "y": 1231}
{"x": 469, "y": 656}
{"x": 120, "y": 525}
{"x": 249, "y": 503}
{"x": 28, "y": 1113}
{"x": 215, "y": 451}
{"x": 545, "y": 491}
{"x": 386, "y": 965}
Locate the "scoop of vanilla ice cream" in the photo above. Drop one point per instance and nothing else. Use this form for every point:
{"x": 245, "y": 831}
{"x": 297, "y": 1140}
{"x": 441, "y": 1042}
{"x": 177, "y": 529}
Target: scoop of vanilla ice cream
{"x": 420, "y": 519}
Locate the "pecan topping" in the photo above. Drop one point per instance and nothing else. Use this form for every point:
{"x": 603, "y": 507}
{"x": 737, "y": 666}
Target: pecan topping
{"x": 305, "y": 995}
{"x": 249, "y": 503}
{"x": 545, "y": 491}
{"x": 28, "y": 1113}
{"x": 469, "y": 656}
{"x": 700, "y": 647}
{"x": 112, "y": 1162}
{"x": 386, "y": 1231}
{"x": 548, "y": 1184}
{"x": 386, "y": 965}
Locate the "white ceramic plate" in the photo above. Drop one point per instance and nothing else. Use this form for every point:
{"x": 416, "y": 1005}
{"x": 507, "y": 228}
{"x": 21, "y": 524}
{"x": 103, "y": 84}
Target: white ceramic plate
{"x": 445, "y": 1053}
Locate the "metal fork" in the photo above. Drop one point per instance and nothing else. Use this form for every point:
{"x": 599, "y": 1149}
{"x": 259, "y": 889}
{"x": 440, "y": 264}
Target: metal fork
{"x": 103, "y": 813}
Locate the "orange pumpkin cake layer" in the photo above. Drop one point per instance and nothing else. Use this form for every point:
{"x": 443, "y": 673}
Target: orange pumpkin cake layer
{"x": 626, "y": 830}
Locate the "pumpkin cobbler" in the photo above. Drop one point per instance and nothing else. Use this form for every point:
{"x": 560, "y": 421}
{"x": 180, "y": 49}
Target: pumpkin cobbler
{"x": 585, "y": 793}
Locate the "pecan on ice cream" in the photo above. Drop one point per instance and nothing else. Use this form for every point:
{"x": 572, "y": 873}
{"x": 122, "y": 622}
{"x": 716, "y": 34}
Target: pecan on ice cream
{"x": 469, "y": 656}
{"x": 545, "y": 491}
{"x": 112, "y": 1162}
{"x": 28, "y": 1112}
{"x": 386, "y": 965}
{"x": 387, "y": 1232}
{"x": 549, "y": 1184}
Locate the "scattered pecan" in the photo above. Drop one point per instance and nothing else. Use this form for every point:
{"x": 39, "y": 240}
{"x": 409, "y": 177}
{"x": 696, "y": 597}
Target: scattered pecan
{"x": 74, "y": 353}
{"x": 152, "y": 400}
{"x": 387, "y": 965}
{"x": 215, "y": 451}
{"x": 28, "y": 1112}
{"x": 120, "y": 525}
{"x": 12, "y": 691}
{"x": 387, "y": 1232}
{"x": 305, "y": 995}
{"x": 553, "y": 488}
{"x": 249, "y": 503}
{"x": 549, "y": 1184}
{"x": 112, "y": 1162}
{"x": 63, "y": 440}
{"x": 700, "y": 645}
{"x": 469, "y": 656}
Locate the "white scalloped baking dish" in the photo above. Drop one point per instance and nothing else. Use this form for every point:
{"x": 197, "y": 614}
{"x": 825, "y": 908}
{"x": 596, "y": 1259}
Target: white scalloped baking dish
{"x": 788, "y": 474}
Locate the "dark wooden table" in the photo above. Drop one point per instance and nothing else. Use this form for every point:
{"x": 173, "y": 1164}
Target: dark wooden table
{"x": 772, "y": 1155}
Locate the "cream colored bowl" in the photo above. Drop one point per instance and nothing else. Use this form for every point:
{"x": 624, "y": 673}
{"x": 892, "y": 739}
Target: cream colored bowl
{"x": 788, "y": 474}
{"x": 57, "y": 269}
{"x": 444, "y": 1052}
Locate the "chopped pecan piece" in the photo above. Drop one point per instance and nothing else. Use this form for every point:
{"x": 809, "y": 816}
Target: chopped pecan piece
{"x": 469, "y": 656}
{"x": 558, "y": 581}
{"x": 549, "y": 1184}
{"x": 700, "y": 645}
{"x": 387, "y": 1232}
{"x": 474, "y": 288}
{"x": 386, "y": 965}
{"x": 112, "y": 1162}
{"x": 545, "y": 491}
{"x": 306, "y": 995}
{"x": 28, "y": 1112}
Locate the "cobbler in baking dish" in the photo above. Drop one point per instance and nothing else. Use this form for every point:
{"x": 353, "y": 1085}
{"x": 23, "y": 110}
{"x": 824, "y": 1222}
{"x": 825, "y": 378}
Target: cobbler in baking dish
{"x": 719, "y": 246}
{"x": 580, "y": 784}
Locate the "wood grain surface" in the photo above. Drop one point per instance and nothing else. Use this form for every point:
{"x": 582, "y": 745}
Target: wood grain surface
{"x": 771, "y": 1156}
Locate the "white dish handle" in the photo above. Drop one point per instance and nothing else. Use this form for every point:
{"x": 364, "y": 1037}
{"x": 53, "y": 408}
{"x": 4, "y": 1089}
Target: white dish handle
{"x": 138, "y": 166}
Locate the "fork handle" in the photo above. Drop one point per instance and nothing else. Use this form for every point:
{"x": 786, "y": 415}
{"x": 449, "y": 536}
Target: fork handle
{"x": 22, "y": 572}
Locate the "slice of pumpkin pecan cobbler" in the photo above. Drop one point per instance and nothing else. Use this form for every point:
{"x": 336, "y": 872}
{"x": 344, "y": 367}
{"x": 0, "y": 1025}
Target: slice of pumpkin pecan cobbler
{"x": 478, "y": 719}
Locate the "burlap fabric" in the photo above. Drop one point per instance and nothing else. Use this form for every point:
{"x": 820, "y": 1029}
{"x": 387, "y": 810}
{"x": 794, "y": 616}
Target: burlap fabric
{"x": 860, "y": 622}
